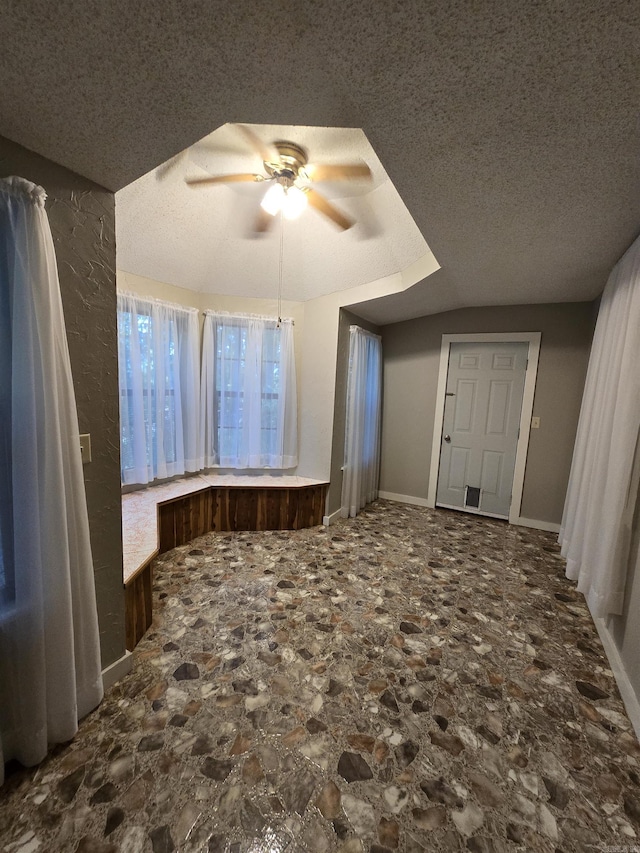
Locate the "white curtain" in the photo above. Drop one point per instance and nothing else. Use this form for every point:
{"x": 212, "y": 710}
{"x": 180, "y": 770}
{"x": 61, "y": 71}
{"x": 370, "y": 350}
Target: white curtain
{"x": 362, "y": 432}
{"x": 158, "y": 355}
{"x": 248, "y": 392}
{"x": 49, "y": 651}
{"x": 603, "y": 489}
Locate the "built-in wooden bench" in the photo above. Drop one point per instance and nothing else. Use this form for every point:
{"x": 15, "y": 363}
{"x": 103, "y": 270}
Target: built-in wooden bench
{"x": 159, "y": 518}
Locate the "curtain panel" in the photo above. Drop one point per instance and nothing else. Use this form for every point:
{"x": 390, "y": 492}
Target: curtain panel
{"x": 362, "y": 430}
{"x": 158, "y": 356}
{"x": 602, "y": 495}
{"x": 248, "y": 392}
{"x": 50, "y": 673}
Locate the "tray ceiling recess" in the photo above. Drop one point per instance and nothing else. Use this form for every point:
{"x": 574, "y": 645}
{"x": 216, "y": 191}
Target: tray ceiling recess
{"x": 198, "y": 221}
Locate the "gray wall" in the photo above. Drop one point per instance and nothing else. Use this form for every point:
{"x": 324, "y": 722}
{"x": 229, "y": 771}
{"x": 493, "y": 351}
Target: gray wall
{"x": 411, "y": 358}
{"x": 82, "y": 217}
{"x": 340, "y": 404}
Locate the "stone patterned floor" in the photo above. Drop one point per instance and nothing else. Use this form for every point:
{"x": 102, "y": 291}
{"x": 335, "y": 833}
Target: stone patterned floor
{"x": 407, "y": 681}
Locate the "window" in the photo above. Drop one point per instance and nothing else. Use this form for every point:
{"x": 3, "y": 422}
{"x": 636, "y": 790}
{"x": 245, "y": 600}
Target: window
{"x": 158, "y": 368}
{"x": 248, "y": 391}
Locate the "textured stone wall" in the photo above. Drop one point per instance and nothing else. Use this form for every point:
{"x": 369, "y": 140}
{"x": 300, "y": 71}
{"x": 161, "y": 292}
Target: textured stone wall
{"x": 82, "y": 217}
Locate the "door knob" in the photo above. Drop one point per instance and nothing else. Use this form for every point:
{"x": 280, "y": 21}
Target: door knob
{"x": 447, "y": 438}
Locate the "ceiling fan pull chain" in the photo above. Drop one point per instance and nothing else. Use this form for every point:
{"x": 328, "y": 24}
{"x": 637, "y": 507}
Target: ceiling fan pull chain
{"x": 280, "y": 268}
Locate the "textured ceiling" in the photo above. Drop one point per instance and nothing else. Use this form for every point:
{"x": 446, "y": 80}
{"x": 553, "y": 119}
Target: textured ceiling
{"x": 509, "y": 128}
{"x": 203, "y": 239}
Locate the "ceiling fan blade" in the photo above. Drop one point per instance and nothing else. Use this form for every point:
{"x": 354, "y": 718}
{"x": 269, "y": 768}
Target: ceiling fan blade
{"x": 263, "y": 221}
{"x": 338, "y": 171}
{"x": 224, "y": 179}
{"x": 325, "y": 207}
{"x": 268, "y": 153}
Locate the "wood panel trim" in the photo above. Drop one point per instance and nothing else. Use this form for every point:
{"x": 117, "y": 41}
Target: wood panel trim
{"x": 141, "y": 568}
{"x": 236, "y": 508}
{"x": 138, "y": 600}
{"x": 222, "y": 509}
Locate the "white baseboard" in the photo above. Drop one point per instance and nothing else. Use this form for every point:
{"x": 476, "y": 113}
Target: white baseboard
{"x": 523, "y": 522}
{"x": 629, "y": 696}
{"x": 403, "y": 499}
{"x": 329, "y": 519}
{"x": 117, "y": 670}
{"x": 550, "y": 526}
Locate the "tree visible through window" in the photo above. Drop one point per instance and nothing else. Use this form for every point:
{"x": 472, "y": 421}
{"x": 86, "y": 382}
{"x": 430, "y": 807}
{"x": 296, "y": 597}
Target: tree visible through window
{"x": 248, "y": 392}
{"x": 230, "y": 384}
{"x": 158, "y": 378}
{"x": 155, "y": 401}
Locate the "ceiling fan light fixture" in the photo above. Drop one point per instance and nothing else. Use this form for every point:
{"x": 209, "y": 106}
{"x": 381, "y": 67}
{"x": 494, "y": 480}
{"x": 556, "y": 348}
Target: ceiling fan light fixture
{"x": 293, "y": 203}
{"x": 290, "y": 200}
{"x": 273, "y": 199}
{"x": 286, "y": 165}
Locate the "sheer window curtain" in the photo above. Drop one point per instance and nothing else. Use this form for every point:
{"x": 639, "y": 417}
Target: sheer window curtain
{"x": 248, "y": 393}
{"x": 158, "y": 357}
{"x": 602, "y": 494}
{"x": 362, "y": 433}
{"x": 50, "y": 673}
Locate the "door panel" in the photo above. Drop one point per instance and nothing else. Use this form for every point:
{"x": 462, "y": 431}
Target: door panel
{"x": 491, "y": 473}
{"x": 464, "y": 413}
{"x": 485, "y": 384}
{"x": 502, "y": 361}
{"x": 457, "y": 473}
{"x": 498, "y": 408}
{"x": 468, "y": 361}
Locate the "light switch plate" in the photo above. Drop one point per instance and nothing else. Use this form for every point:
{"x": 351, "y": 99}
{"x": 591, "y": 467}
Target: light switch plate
{"x": 535, "y": 423}
{"x": 85, "y": 448}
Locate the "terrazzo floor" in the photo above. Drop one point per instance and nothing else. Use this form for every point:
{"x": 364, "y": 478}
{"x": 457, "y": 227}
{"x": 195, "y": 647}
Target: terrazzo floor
{"x": 409, "y": 680}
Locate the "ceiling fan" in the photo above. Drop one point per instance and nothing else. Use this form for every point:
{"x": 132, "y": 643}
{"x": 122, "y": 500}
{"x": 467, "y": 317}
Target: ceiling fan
{"x": 290, "y": 175}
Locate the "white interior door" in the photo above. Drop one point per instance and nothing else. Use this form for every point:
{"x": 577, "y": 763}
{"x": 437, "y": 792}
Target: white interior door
{"x": 485, "y": 384}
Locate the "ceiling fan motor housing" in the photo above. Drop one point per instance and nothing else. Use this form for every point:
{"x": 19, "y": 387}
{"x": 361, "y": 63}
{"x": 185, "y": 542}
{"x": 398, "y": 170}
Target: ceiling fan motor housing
{"x": 293, "y": 159}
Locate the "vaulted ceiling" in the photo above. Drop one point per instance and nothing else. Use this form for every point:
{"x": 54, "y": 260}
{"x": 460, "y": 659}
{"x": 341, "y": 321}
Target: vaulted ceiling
{"x": 509, "y": 128}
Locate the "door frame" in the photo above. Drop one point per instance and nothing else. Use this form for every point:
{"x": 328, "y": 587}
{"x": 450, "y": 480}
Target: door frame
{"x": 533, "y": 339}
